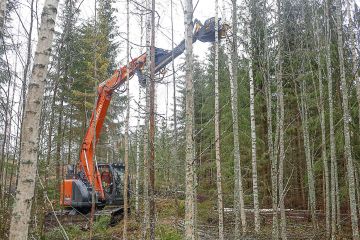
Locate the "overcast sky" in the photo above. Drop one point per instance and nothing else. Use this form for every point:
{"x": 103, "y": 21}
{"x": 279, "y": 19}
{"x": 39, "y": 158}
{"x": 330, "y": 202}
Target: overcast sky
{"x": 204, "y": 10}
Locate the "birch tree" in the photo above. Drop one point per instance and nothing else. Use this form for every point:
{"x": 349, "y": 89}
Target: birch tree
{"x": 146, "y": 129}
{"x": 29, "y": 140}
{"x": 3, "y": 4}
{"x": 321, "y": 110}
{"x": 309, "y": 165}
{"x": 220, "y": 206}
{"x": 333, "y": 172}
{"x": 253, "y": 128}
{"x": 189, "y": 120}
{"x": 346, "y": 120}
{"x": 137, "y": 158}
{"x": 272, "y": 158}
{"x": 152, "y": 125}
{"x": 126, "y": 139}
{"x": 354, "y": 51}
{"x": 233, "y": 72}
{"x": 280, "y": 122}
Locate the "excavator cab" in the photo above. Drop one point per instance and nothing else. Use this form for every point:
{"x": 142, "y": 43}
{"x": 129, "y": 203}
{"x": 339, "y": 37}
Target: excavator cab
{"x": 75, "y": 190}
{"x": 112, "y": 180}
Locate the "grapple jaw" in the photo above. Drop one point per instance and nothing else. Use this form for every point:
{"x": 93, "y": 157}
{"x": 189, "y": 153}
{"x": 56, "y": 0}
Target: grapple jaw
{"x": 206, "y": 32}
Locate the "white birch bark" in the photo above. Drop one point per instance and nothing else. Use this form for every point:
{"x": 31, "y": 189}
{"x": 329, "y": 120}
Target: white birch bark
{"x": 322, "y": 122}
{"x": 217, "y": 131}
{"x": 29, "y": 152}
{"x": 238, "y": 189}
{"x": 346, "y": 120}
{"x": 3, "y": 4}
{"x": 355, "y": 61}
{"x": 175, "y": 132}
{"x": 189, "y": 116}
{"x": 333, "y": 172}
{"x": 354, "y": 53}
{"x": 280, "y": 123}
{"x": 137, "y": 160}
{"x": 253, "y": 130}
{"x": 138, "y": 138}
{"x": 309, "y": 165}
{"x": 146, "y": 131}
{"x": 272, "y": 158}
{"x": 126, "y": 137}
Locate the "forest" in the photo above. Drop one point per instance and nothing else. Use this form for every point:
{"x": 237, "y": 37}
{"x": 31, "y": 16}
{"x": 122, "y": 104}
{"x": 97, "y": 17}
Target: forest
{"x": 179, "y": 119}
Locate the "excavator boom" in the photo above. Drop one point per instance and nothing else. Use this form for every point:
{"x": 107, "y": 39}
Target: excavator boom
{"x": 202, "y": 32}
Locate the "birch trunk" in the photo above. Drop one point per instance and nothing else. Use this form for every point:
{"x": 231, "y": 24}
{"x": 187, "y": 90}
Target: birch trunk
{"x": 3, "y": 4}
{"x": 29, "y": 140}
{"x": 238, "y": 189}
{"x": 346, "y": 120}
{"x": 175, "y": 132}
{"x": 146, "y": 131}
{"x": 355, "y": 63}
{"x": 126, "y": 138}
{"x": 189, "y": 117}
{"x": 309, "y": 165}
{"x": 137, "y": 160}
{"x": 272, "y": 158}
{"x": 253, "y": 131}
{"x": 152, "y": 125}
{"x": 217, "y": 131}
{"x": 333, "y": 172}
{"x": 322, "y": 123}
{"x": 138, "y": 138}
{"x": 354, "y": 53}
{"x": 280, "y": 123}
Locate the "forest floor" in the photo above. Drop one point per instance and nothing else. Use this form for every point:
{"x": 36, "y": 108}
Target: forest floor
{"x": 170, "y": 225}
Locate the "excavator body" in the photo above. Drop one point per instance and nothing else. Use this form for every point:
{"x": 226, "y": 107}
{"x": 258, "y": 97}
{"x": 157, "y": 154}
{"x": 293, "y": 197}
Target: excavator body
{"x": 106, "y": 180}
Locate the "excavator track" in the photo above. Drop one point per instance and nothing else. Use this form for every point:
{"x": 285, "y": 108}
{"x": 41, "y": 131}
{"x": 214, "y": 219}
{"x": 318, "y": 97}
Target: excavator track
{"x": 72, "y": 216}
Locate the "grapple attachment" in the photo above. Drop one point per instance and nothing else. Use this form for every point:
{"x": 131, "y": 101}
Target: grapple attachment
{"x": 206, "y": 32}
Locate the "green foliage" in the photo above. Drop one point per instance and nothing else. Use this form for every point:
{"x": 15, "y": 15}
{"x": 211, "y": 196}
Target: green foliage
{"x": 101, "y": 223}
{"x": 166, "y": 232}
{"x": 73, "y": 232}
{"x": 206, "y": 211}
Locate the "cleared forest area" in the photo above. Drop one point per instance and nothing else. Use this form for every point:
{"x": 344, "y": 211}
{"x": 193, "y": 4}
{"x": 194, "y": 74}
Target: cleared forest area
{"x": 169, "y": 119}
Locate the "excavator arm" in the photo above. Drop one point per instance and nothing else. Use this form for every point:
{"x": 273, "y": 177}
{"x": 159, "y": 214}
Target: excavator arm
{"x": 202, "y": 32}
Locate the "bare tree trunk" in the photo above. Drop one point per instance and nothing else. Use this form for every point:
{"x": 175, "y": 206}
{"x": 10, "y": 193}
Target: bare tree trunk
{"x": 220, "y": 207}
{"x": 152, "y": 125}
{"x": 126, "y": 145}
{"x": 146, "y": 131}
{"x": 238, "y": 189}
{"x": 280, "y": 123}
{"x": 189, "y": 119}
{"x": 29, "y": 152}
{"x": 3, "y": 4}
{"x": 253, "y": 128}
{"x": 309, "y": 165}
{"x": 322, "y": 121}
{"x": 333, "y": 172}
{"x": 137, "y": 160}
{"x": 354, "y": 52}
{"x": 175, "y": 132}
{"x": 346, "y": 119}
{"x": 272, "y": 158}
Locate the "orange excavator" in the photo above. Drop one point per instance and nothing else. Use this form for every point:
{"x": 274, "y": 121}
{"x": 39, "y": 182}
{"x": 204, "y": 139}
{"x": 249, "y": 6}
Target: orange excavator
{"x": 107, "y": 179}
